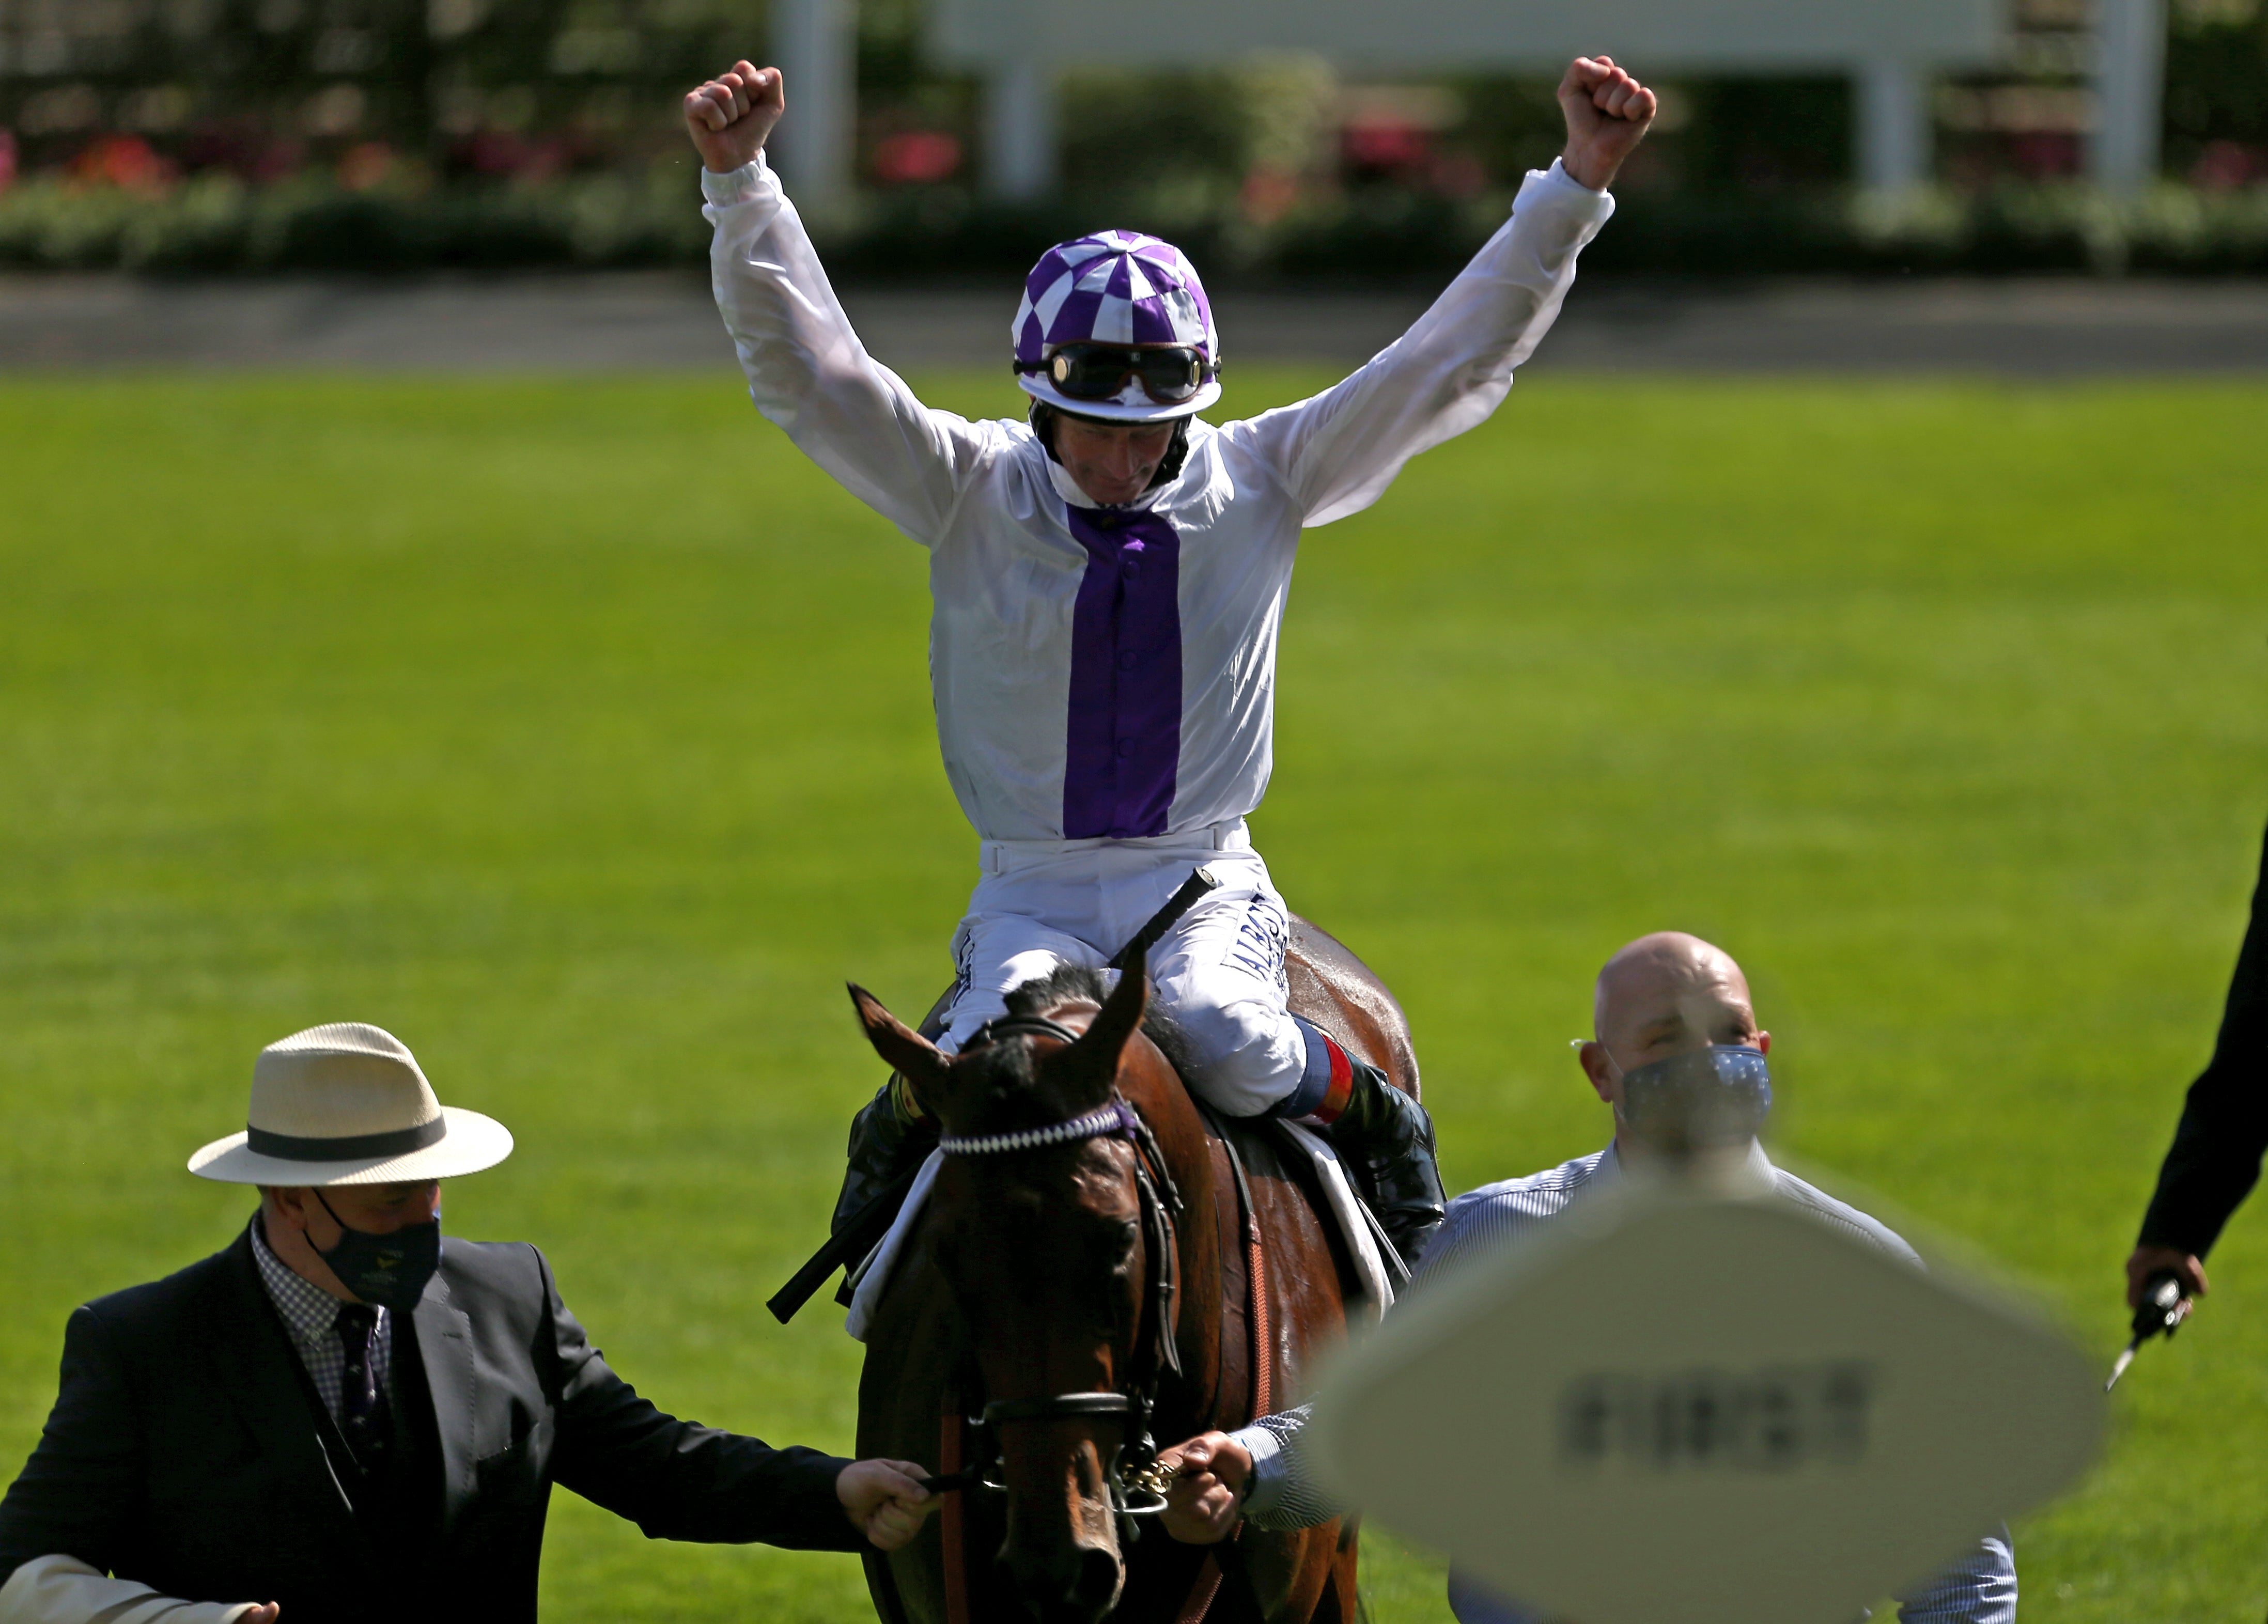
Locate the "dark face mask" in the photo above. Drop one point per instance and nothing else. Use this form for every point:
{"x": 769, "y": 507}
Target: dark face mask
{"x": 1705, "y": 1097}
{"x": 387, "y": 1270}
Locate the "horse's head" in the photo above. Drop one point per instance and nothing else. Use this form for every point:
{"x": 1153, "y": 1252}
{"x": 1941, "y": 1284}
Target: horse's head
{"x": 1042, "y": 1230}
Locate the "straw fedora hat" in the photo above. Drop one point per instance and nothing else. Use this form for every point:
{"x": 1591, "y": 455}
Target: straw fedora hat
{"x": 346, "y": 1104}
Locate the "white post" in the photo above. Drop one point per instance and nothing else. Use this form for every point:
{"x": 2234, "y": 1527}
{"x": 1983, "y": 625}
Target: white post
{"x": 2129, "y": 86}
{"x": 1020, "y": 130}
{"x": 1894, "y": 126}
{"x": 816, "y": 45}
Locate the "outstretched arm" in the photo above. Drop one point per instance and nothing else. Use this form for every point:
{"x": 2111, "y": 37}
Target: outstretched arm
{"x": 1337, "y": 453}
{"x": 2215, "y": 1157}
{"x": 678, "y": 1480}
{"x": 806, "y": 370}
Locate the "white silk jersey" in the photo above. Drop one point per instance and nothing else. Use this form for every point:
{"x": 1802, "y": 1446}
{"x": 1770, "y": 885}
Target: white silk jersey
{"x": 1111, "y": 671}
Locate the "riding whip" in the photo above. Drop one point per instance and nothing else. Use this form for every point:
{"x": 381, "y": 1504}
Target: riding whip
{"x": 1193, "y": 890}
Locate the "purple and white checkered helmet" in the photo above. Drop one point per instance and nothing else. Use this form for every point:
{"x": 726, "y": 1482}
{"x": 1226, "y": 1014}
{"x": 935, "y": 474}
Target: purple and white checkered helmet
{"x": 1115, "y": 288}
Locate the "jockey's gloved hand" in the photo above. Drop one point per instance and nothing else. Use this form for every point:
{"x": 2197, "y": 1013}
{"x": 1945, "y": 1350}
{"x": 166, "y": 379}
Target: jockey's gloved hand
{"x": 887, "y": 1137}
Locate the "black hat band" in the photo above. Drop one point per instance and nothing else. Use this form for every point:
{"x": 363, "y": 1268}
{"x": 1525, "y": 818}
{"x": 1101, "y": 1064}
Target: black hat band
{"x": 400, "y": 1142}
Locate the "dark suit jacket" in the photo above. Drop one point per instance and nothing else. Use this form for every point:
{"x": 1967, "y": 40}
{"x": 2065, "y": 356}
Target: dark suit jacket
{"x": 2215, "y": 1158}
{"x": 186, "y": 1450}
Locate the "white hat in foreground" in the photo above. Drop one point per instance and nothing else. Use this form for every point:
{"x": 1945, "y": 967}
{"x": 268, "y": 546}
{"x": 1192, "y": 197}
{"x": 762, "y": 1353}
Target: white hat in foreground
{"x": 346, "y": 1104}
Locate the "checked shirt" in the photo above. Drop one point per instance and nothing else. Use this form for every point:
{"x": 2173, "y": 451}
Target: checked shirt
{"x": 310, "y": 1319}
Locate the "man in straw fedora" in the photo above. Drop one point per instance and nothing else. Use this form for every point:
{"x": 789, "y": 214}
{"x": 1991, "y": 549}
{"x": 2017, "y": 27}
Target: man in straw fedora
{"x": 339, "y": 1419}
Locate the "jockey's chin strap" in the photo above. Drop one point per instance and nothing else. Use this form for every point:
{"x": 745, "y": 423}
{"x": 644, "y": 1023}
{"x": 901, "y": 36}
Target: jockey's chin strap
{"x": 1162, "y": 1202}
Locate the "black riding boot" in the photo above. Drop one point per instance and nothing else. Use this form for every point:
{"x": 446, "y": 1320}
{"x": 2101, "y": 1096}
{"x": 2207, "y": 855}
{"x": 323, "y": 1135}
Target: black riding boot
{"x": 888, "y": 1137}
{"x": 1387, "y": 1138}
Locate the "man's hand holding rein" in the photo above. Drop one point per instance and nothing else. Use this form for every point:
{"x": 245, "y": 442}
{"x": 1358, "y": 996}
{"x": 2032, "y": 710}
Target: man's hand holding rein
{"x": 885, "y": 1499}
{"x": 1212, "y": 1473}
{"x": 1608, "y": 115}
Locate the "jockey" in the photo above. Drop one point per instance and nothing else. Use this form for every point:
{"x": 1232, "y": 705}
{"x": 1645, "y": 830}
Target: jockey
{"x": 1108, "y": 580}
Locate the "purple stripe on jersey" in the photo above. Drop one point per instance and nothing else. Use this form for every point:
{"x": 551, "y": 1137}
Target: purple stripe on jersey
{"x": 1123, "y": 746}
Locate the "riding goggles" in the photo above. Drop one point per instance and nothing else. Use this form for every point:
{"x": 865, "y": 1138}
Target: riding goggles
{"x": 1083, "y": 371}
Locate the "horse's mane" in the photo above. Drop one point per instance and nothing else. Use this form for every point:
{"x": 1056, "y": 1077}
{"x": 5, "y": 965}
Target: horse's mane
{"x": 1067, "y": 982}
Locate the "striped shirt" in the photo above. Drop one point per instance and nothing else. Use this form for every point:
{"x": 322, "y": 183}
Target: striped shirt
{"x": 1980, "y": 1589}
{"x": 310, "y": 1319}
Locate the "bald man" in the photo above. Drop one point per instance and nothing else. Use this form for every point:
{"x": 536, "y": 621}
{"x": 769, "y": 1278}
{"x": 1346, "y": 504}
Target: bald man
{"x": 1662, "y": 995}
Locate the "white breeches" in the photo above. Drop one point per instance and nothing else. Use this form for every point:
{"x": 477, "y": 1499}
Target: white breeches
{"x": 1220, "y": 972}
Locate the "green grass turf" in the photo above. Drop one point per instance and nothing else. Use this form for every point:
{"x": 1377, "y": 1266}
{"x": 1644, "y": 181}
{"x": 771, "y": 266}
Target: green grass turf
{"x": 578, "y": 731}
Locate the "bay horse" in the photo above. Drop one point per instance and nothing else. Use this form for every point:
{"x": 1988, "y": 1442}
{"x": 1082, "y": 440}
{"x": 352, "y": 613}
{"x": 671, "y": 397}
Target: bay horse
{"x": 1097, "y": 1265}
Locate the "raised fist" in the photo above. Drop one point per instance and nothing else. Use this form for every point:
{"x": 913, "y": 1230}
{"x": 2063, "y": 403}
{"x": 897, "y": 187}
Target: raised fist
{"x": 1608, "y": 112}
{"x": 729, "y": 117}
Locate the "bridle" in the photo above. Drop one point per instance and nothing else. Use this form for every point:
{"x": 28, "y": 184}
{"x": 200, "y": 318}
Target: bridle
{"x": 1133, "y": 1467}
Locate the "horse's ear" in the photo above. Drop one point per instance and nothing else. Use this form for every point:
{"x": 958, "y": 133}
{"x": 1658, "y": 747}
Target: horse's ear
{"x": 911, "y": 1055}
{"x": 1121, "y": 1015}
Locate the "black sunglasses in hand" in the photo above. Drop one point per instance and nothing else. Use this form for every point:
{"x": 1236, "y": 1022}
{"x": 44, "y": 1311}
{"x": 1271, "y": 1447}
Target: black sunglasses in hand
{"x": 1168, "y": 375}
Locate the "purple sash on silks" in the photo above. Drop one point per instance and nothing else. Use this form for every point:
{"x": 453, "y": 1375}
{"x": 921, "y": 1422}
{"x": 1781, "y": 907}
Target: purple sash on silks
{"x": 1122, "y": 742}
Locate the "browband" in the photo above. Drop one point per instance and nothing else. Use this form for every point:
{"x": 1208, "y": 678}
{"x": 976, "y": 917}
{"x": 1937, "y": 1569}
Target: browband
{"x": 1112, "y": 1119}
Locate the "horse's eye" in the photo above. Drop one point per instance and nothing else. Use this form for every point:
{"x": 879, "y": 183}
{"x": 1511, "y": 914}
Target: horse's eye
{"x": 1112, "y": 1245}
{"x": 1117, "y": 1246}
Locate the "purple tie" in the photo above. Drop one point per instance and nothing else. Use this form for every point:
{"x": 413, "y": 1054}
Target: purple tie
{"x": 361, "y": 1402}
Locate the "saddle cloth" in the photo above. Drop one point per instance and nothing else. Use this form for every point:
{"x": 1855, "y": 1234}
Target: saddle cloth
{"x": 1342, "y": 1206}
